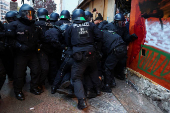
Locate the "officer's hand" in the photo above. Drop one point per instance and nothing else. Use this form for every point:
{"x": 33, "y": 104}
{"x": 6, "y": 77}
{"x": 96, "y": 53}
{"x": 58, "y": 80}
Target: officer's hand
{"x": 134, "y": 37}
{"x": 24, "y": 48}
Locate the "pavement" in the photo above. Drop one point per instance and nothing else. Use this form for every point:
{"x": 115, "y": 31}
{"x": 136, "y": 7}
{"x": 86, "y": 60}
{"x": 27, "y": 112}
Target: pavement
{"x": 123, "y": 99}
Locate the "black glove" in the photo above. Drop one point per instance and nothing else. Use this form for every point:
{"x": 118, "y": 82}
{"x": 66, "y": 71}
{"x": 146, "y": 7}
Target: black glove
{"x": 134, "y": 37}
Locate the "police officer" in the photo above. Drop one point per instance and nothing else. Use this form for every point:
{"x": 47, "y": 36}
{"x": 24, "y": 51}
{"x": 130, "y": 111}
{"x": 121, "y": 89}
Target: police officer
{"x": 80, "y": 36}
{"x": 8, "y": 59}
{"x": 53, "y": 48}
{"x": 25, "y": 44}
{"x": 64, "y": 18}
{"x": 88, "y": 83}
{"x": 119, "y": 27}
{"x": 116, "y": 49}
{"x": 88, "y": 16}
{"x": 54, "y": 18}
{"x": 65, "y": 68}
{"x": 42, "y": 13}
{"x": 2, "y": 50}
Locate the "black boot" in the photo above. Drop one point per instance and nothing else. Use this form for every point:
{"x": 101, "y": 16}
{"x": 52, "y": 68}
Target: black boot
{"x": 64, "y": 85}
{"x": 113, "y": 83}
{"x": 98, "y": 91}
{"x": 19, "y": 96}
{"x": 82, "y": 104}
{"x": 53, "y": 89}
{"x": 120, "y": 76}
{"x": 106, "y": 88}
{"x": 41, "y": 89}
{"x": 67, "y": 92}
{"x": 90, "y": 94}
{"x": 35, "y": 91}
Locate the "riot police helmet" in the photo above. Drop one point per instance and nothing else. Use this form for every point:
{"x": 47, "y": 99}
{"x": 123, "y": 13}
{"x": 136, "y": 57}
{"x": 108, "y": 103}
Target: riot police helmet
{"x": 54, "y": 17}
{"x": 119, "y": 20}
{"x": 119, "y": 17}
{"x": 65, "y": 14}
{"x": 88, "y": 15}
{"x": 78, "y": 14}
{"x": 27, "y": 13}
{"x": 42, "y": 13}
{"x": 11, "y": 16}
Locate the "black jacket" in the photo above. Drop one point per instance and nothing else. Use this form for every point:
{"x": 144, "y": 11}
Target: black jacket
{"x": 122, "y": 31}
{"x": 82, "y": 36}
{"x": 110, "y": 41}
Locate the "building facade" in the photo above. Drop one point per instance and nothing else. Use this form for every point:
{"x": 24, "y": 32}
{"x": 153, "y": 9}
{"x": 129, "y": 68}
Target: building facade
{"x": 4, "y": 8}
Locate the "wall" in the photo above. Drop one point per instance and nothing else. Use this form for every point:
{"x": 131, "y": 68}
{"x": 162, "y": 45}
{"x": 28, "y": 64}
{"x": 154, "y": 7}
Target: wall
{"x": 150, "y": 53}
{"x": 110, "y": 10}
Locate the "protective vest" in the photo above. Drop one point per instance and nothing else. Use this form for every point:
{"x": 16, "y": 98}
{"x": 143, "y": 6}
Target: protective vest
{"x": 82, "y": 34}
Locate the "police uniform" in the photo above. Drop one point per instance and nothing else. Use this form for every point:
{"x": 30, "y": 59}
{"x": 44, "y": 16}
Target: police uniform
{"x": 115, "y": 49}
{"x": 80, "y": 36}
{"x": 52, "y": 48}
{"x": 43, "y": 57}
{"x": 123, "y": 32}
{"x": 8, "y": 58}
{"x": 25, "y": 44}
{"x": 2, "y": 50}
{"x": 63, "y": 21}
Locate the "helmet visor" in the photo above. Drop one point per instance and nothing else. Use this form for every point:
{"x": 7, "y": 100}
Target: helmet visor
{"x": 29, "y": 14}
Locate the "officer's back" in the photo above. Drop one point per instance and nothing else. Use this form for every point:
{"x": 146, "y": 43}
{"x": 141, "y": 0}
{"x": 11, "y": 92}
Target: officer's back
{"x": 64, "y": 18}
{"x": 81, "y": 34}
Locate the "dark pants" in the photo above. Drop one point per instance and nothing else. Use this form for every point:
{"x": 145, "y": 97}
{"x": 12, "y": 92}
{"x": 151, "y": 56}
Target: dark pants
{"x": 78, "y": 70}
{"x": 8, "y": 61}
{"x": 21, "y": 61}
{"x": 89, "y": 81}
{"x": 110, "y": 63}
{"x": 44, "y": 64}
{"x": 54, "y": 64}
{"x": 2, "y": 74}
{"x": 64, "y": 68}
{"x": 119, "y": 69}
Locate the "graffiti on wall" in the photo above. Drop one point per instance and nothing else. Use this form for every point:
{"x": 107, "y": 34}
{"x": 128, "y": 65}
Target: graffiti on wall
{"x": 150, "y": 54}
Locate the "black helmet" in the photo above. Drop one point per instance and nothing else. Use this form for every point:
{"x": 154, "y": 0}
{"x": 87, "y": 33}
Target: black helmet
{"x": 54, "y": 16}
{"x": 119, "y": 17}
{"x": 11, "y": 16}
{"x": 78, "y": 14}
{"x": 88, "y": 15}
{"x": 27, "y": 13}
{"x": 42, "y": 13}
{"x": 65, "y": 14}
